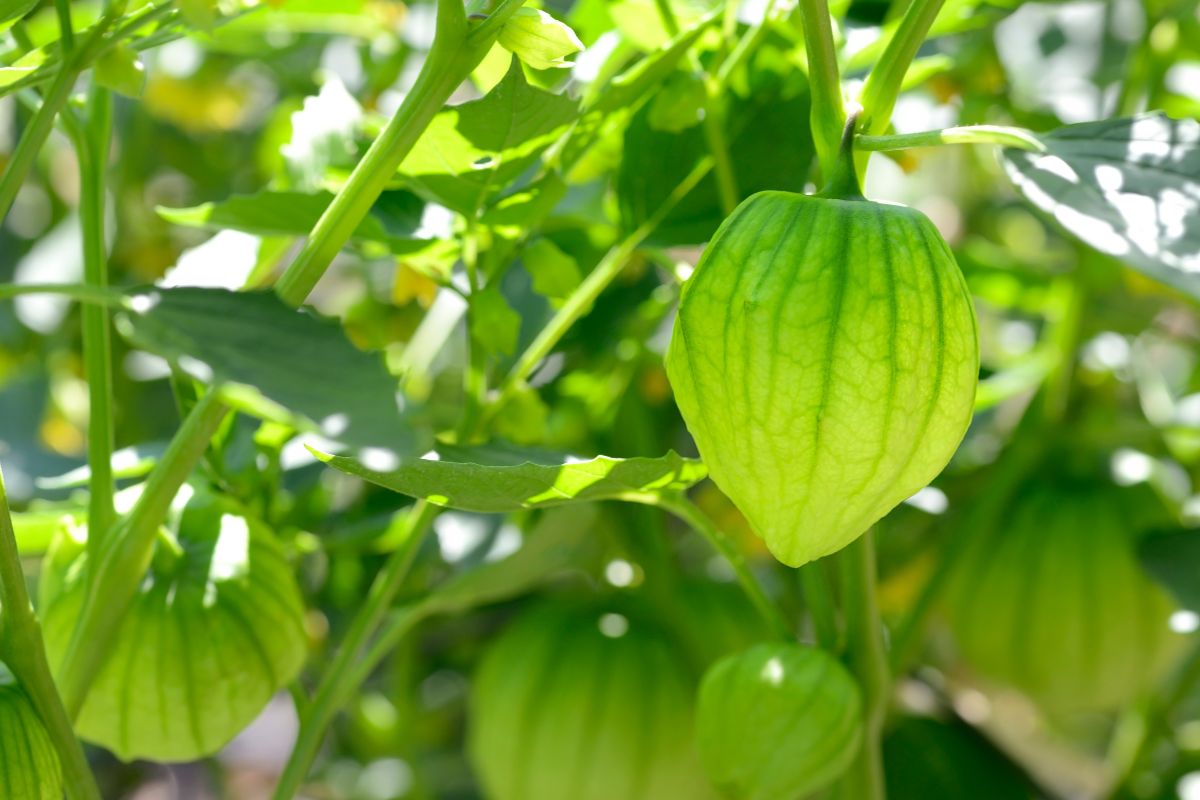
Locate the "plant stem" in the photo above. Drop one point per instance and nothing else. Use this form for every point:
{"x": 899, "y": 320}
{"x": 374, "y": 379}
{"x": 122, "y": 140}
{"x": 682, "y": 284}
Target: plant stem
{"x": 868, "y": 662}
{"x": 23, "y": 650}
{"x": 457, "y": 49}
{"x": 66, "y": 31}
{"x": 969, "y": 134}
{"x": 343, "y": 674}
{"x": 581, "y": 300}
{"x": 92, "y": 148}
{"x": 883, "y": 83}
{"x": 688, "y": 512}
{"x": 76, "y": 291}
{"x": 828, "y": 116}
{"x": 114, "y": 579}
{"x": 819, "y": 600}
{"x": 32, "y": 138}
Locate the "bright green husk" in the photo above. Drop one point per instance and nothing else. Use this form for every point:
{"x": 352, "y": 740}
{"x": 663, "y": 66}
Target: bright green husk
{"x": 216, "y": 630}
{"x": 29, "y": 768}
{"x": 561, "y": 710}
{"x": 1055, "y": 603}
{"x": 825, "y": 360}
{"x": 776, "y": 721}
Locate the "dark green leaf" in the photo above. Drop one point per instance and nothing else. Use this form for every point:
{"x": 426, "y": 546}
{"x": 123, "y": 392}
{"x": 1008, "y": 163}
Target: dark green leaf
{"x": 1128, "y": 187}
{"x": 949, "y": 761}
{"x": 295, "y": 213}
{"x": 298, "y": 363}
{"x": 14, "y": 9}
{"x": 473, "y": 151}
{"x": 457, "y": 479}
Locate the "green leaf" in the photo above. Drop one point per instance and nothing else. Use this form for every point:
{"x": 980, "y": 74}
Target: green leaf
{"x": 555, "y": 274}
{"x": 276, "y": 362}
{"x": 558, "y": 540}
{"x": 1128, "y": 187}
{"x": 947, "y": 761}
{"x": 656, "y": 161}
{"x": 121, "y": 70}
{"x": 323, "y": 134}
{"x": 271, "y": 213}
{"x": 472, "y": 151}
{"x": 1173, "y": 559}
{"x": 11, "y": 10}
{"x": 495, "y": 326}
{"x": 461, "y": 478}
{"x": 539, "y": 39}
{"x": 679, "y": 105}
{"x": 526, "y": 207}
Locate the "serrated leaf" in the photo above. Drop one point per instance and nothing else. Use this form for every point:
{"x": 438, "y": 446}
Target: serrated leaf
{"x": 294, "y": 214}
{"x": 322, "y": 135}
{"x": 472, "y": 151}
{"x": 1173, "y": 559}
{"x": 458, "y": 479}
{"x": 1128, "y": 187}
{"x": 276, "y": 362}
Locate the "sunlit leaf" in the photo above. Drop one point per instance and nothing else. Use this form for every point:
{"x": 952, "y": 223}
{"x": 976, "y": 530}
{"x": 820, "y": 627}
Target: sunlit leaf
{"x": 278, "y": 362}
{"x": 473, "y": 151}
{"x": 494, "y": 324}
{"x": 1128, "y": 187}
{"x": 461, "y": 478}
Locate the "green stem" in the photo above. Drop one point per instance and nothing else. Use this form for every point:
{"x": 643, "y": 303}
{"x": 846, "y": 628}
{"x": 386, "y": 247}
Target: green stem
{"x": 32, "y": 138}
{"x": 457, "y": 50}
{"x": 689, "y": 513}
{"x": 718, "y": 146}
{"x": 24, "y": 652}
{"x": 92, "y": 149}
{"x": 819, "y": 600}
{"x": 114, "y": 579}
{"x": 581, "y": 300}
{"x": 828, "y": 108}
{"x": 882, "y": 87}
{"x": 76, "y": 291}
{"x": 868, "y": 662}
{"x": 66, "y": 30}
{"x": 344, "y": 674}
{"x": 969, "y": 134}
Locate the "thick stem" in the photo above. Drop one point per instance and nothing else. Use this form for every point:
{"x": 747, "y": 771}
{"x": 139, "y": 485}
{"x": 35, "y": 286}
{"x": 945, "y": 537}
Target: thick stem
{"x": 344, "y": 674}
{"x": 969, "y": 134}
{"x": 689, "y": 513}
{"x": 23, "y": 650}
{"x": 114, "y": 579}
{"x": 455, "y": 52}
{"x": 883, "y": 84}
{"x": 868, "y": 662}
{"x": 92, "y": 148}
{"x": 821, "y": 606}
{"x": 828, "y": 108}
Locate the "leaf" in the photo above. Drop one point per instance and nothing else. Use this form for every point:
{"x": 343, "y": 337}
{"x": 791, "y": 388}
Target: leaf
{"x": 458, "y": 479}
{"x": 270, "y": 213}
{"x": 473, "y": 151}
{"x": 556, "y": 542}
{"x": 526, "y": 207}
{"x": 495, "y": 326}
{"x": 555, "y": 274}
{"x": 121, "y": 70}
{"x": 1128, "y": 187}
{"x": 539, "y": 39}
{"x": 1173, "y": 559}
{"x": 279, "y": 362}
{"x": 11, "y": 10}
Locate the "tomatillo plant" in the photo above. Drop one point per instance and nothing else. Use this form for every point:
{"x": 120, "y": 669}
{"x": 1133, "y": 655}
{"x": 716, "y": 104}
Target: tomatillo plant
{"x": 364, "y": 367}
